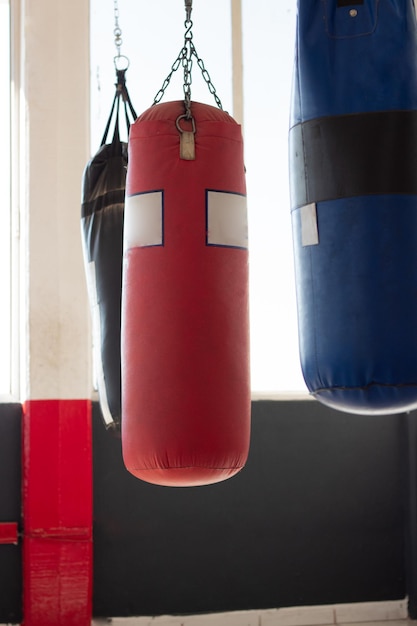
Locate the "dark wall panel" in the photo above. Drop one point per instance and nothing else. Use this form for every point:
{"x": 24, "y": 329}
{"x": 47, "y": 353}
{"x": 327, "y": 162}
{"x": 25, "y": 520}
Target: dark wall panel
{"x": 316, "y": 517}
{"x": 10, "y": 511}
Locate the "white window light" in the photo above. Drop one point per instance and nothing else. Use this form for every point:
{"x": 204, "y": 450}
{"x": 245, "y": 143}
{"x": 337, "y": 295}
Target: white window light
{"x": 268, "y": 54}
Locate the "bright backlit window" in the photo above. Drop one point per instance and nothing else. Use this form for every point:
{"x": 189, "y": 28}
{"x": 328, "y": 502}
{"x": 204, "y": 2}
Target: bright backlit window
{"x": 153, "y": 35}
{"x": 5, "y": 206}
{"x": 268, "y": 54}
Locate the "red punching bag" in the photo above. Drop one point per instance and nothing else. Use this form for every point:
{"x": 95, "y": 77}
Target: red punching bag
{"x": 185, "y": 327}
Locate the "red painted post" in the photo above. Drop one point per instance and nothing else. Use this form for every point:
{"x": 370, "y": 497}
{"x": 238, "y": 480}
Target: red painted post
{"x": 57, "y": 513}
{"x": 8, "y": 533}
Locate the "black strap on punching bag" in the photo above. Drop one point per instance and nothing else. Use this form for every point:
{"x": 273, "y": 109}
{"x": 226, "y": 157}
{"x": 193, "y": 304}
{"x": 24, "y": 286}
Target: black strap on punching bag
{"x": 102, "y": 212}
{"x": 348, "y": 3}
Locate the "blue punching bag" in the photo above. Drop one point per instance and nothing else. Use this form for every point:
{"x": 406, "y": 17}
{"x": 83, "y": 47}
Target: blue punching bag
{"x": 353, "y": 182}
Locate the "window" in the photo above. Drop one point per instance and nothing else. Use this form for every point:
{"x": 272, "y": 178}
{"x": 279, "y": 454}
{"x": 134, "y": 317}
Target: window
{"x": 152, "y": 36}
{"x": 268, "y": 52}
{"x": 5, "y": 207}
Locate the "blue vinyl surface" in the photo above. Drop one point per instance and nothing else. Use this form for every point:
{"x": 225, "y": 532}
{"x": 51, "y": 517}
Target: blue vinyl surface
{"x": 354, "y": 65}
{"x": 357, "y": 288}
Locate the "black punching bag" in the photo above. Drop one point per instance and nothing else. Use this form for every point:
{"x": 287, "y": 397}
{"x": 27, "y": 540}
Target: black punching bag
{"x": 102, "y": 214}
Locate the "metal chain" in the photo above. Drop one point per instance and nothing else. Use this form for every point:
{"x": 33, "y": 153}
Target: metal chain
{"x": 121, "y": 62}
{"x": 185, "y": 59}
{"x": 117, "y": 32}
{"x": 207, "y": 78}
{"x": 166, "y": 82}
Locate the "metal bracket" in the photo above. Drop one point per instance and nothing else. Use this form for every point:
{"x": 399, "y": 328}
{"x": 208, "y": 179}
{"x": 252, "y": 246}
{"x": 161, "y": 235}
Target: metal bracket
{"x": 188, "y": 9}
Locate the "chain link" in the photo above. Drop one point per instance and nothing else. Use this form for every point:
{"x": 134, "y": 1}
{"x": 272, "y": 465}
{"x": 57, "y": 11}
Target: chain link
{"x": 185, "y": 59}
{"x": 207, "y": 78}
{"x": 166, "y": 82}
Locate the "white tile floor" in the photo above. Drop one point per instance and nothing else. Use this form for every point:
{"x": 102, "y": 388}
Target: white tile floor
{"x": 393, "y": 613}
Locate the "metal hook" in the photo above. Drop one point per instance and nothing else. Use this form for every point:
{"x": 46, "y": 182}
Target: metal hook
{"x": 188, "y": 9}
{"x": 121, "y": 63}
{"x": 188, "y": 118}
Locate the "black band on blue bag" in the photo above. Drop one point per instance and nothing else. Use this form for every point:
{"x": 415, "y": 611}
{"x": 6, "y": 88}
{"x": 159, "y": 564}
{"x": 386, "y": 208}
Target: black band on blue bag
{"x": 353, "y": 155}
{"x": 349, "y": 3}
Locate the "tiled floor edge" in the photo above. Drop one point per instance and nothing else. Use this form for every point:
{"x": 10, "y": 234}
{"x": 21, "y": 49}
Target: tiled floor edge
{"x": 320, "y": 615}
{"x": 372, "y": 611}
{"x": 359, "y": 612}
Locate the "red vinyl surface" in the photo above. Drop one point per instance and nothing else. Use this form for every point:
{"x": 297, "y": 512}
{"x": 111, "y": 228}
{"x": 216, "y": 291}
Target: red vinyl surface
{"x": 185, "y": 326}
{"x": 8, "y": 532}
{"x": 57, "y": 513}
